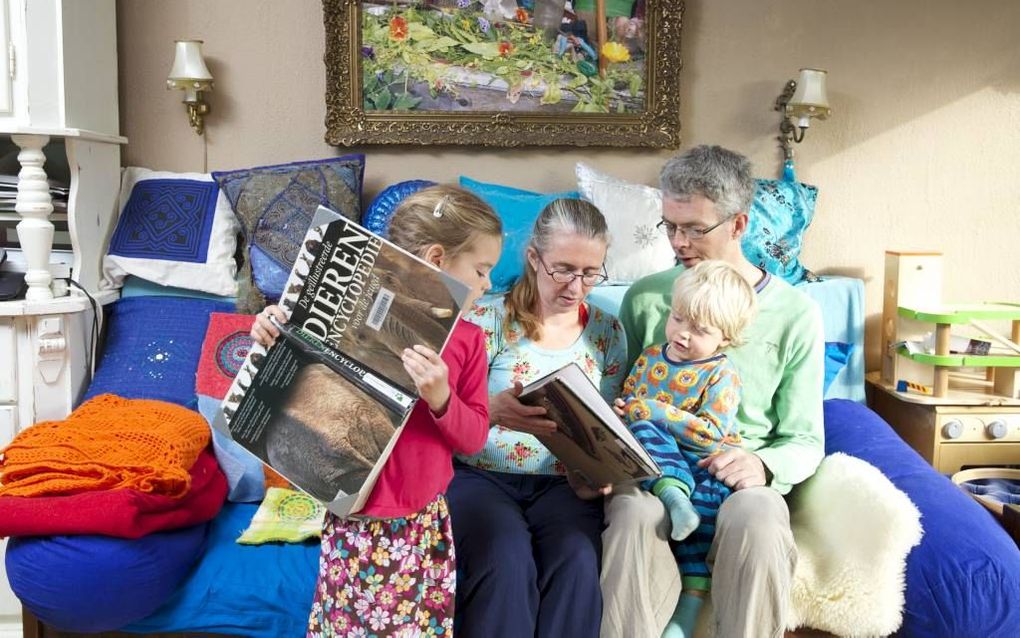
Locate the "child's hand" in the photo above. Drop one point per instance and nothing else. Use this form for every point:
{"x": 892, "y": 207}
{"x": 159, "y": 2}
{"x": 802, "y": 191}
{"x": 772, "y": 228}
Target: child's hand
{"x": 618, "y": 405}
{"x": 263, "y": 331}
{"x": 430, "y": 376}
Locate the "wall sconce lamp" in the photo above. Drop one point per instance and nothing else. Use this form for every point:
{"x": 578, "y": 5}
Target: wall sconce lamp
{"x": 801, "y": 100}
{"x": 190, "y": 74}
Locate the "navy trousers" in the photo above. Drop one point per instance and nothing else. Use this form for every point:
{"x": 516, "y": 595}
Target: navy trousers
{"x": 528, "y": 556}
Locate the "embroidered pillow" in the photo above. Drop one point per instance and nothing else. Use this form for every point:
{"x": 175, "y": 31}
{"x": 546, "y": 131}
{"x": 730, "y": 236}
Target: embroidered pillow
{"x": 636, "y": 248}
{"x": 285, "y": 516}
{"x": 226, "y": 344}
{"x": 152, "y": 348}
{"x": 518, "y": 209}
{"x": 175, "y": 229}
{"x": 275, "y": 205}
{"x": 781, "y": 213}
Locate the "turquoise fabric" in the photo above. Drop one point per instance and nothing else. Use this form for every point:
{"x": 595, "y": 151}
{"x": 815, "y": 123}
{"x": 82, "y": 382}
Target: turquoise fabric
{"x": 780, "y": 214}
{"x": 518, "y": 209}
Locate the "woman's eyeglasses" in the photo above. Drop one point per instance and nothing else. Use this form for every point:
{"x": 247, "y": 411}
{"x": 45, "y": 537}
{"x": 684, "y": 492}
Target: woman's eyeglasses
{"x": 567, "y": 276}
{"x": 670, "y": 229}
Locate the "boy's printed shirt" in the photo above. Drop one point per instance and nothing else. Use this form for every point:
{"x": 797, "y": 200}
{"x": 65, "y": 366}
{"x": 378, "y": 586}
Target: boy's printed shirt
{"x": 697, "y": 400}
{"x": 600, "y": 351}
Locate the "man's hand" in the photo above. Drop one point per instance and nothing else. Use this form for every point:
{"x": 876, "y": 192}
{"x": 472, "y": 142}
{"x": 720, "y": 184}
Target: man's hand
{"x": 584, "y": 489}
{"x": 737, "y": 468}
{"x": 506, "y": 409}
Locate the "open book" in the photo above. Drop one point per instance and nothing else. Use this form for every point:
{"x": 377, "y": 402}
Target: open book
{"x": 324, "y": 405}
{"x": 589, "y": 438}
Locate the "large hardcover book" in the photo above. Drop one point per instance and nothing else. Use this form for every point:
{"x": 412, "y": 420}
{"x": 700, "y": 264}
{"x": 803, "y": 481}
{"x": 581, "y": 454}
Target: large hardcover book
{"x": 325, "y": 404}
{"x": 589, "y": 437}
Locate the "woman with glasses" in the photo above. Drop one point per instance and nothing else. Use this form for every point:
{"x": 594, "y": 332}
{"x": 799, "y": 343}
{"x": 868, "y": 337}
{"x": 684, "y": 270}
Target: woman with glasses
{"x": 528, "y": 537}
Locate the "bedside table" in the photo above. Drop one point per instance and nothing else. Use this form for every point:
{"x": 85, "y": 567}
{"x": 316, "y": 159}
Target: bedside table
{"x": 951, "y": 436}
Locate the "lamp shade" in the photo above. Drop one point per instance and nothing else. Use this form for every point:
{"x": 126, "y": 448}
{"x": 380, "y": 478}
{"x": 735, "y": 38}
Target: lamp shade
{"x": 810, "y": 98}
{"x": 188, "y": 62}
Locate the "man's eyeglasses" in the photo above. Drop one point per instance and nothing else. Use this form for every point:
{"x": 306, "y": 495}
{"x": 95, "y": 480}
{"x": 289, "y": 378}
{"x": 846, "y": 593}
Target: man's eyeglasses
{"x": 568, "y": 276}
{"x": 670, "y": 229}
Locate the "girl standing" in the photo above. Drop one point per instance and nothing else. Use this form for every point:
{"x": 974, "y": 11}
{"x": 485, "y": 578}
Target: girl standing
{"x": 391, "y": 570}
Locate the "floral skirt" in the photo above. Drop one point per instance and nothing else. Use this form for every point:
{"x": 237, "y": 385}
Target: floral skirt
{"x": 386, "y": 577}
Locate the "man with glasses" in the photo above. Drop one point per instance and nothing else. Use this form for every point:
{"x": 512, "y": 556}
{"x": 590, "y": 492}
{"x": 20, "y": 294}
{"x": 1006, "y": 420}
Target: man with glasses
{"x": 707, "y": 193}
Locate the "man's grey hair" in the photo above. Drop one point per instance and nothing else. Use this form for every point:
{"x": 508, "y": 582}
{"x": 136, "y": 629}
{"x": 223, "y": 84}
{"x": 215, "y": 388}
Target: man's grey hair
{"x": 717, "y": 174}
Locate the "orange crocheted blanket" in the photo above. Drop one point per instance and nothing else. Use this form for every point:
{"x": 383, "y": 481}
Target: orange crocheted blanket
{"x": 106, "y": 443}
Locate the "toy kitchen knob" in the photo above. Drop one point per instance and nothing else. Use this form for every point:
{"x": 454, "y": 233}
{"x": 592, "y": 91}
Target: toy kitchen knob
{"x": 997, "y": 429}
{"x": 953, "y": 429}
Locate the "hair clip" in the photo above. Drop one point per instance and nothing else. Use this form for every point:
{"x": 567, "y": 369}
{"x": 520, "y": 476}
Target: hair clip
{"x": 437, "y": 212}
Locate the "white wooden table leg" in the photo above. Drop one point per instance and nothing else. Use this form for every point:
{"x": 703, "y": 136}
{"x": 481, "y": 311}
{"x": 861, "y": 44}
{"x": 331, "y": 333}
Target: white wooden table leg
{"x": 35, "y": 231}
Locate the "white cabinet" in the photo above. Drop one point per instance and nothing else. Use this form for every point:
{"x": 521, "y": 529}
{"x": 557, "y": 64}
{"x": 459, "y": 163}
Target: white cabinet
{"x": 60, "y": 64}
{"x": 58, "y": 97}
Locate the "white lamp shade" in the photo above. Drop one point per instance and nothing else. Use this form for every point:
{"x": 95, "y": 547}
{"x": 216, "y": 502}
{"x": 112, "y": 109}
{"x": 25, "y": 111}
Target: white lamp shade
{"x": 810, "y": 92}
{"x": 188, "y": 62}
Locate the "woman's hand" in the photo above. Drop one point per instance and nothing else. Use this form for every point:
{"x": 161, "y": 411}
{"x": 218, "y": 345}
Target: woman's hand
{"x": 430, "y": 376}
{"x": 263, "y": 331}
{"x": 584, "y": 490}
{"x": 618, "y": 406}
{"x": 506, "y": 409}
{"x": 737, "y": 468}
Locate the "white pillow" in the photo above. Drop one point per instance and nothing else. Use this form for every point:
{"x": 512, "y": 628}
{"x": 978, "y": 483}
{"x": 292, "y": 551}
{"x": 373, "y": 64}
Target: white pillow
{"x": 176, "y": 229}
{"x": 636, "y": 248}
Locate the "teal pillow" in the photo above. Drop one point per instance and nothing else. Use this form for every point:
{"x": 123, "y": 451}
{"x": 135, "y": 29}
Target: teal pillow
{"x": 518, "y": 209}
{"x": 780, "y": 214}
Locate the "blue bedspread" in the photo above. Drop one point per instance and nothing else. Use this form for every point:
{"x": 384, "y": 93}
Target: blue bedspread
{"x": 963, "y": 580}
{"x": 242, "y": 590}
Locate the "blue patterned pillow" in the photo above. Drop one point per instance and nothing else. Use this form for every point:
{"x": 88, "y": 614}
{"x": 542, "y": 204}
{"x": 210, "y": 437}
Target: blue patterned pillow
{"x": 174, "y": 229}
{"x": 780, "y": 214}
{"x": 518, "y": 209}
{"x": 275, "y": 205}
{"x": 152, "y": 348}
{"x": 377, "y": 215}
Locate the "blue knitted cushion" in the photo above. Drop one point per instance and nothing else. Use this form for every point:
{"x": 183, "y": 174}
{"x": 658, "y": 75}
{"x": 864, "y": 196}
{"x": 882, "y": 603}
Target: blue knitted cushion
{"x": 152, "y": 348}
{"x": 377, "y": 215}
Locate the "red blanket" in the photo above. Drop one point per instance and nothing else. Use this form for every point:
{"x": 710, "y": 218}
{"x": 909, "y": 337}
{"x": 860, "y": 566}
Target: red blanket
{"x": 123, "y": 513}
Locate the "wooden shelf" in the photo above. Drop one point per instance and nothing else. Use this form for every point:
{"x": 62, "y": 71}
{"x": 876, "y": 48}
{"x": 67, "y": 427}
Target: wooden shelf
{"x": 964, "y": 389}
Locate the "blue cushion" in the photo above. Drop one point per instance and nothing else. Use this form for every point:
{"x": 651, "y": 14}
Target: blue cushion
{"x": 377, "y": 215}
{"x": 98, "y": 583}
{"x": 241, "y": 590}
{"x": 836, "y": 356}
{"x": 275, "y": 205}
{"x": 780, "y": 213}
{"x": 245, "y": 477}
{"x": 963, "y": 580}
{"x": 518, "y": 209}
{"x": 152, "y": 348}
{"x": 139, "y": 287}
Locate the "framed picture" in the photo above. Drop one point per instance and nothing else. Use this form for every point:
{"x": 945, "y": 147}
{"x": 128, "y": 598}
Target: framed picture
{"x": 503, "y": 73}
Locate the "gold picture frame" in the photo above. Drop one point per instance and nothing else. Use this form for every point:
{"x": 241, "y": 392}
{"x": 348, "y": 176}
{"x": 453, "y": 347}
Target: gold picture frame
{"x": 651, "y": 122}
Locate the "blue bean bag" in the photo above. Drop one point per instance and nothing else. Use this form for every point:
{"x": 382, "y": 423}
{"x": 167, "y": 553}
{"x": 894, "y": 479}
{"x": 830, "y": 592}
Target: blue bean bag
{"x": 963, "y": 580}
{"x": 99, "y": 583}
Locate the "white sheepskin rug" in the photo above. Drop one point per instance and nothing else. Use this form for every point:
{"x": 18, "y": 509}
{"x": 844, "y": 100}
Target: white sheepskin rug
{"x": 854, "y": 530}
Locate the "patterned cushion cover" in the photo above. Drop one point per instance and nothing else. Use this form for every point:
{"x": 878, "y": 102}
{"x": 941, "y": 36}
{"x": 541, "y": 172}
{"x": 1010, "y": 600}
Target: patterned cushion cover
{"x": 377, "y": 215}
{"x": 285, "y": 516}
{"x": 174, "y": 229}
{"x": 781, "y": 213}
{"x": 274, "y": 205}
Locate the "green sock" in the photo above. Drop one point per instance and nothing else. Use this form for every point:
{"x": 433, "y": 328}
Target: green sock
{"x": 682, "y": 515}
{"x": 685, "y": 617}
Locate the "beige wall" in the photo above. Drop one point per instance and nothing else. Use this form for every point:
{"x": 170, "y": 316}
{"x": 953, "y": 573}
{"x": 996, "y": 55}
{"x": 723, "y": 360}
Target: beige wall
{"x": 922, "y": 151}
